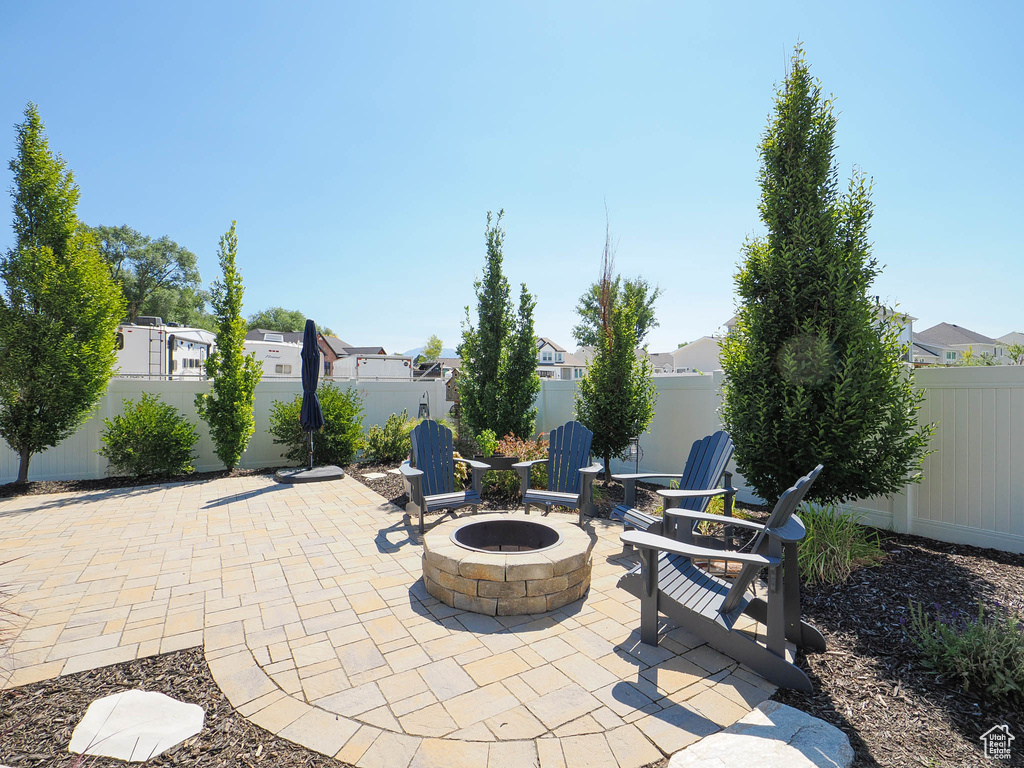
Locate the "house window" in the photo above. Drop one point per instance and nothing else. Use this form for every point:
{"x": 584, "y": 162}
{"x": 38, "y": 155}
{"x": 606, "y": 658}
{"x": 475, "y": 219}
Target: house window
{"x": 577, "y": 373}
{"x": 559, "y": 357}
{"x": 545, "y": 357}
{"x": 999, "y": 352}
{"x": 120, "y": 340}
{"x": 950, "y": 356}
{"x": 285, "y": 369}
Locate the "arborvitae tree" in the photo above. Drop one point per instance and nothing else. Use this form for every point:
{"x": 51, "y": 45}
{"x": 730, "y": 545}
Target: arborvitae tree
{"x": 520, "y": 382}
{"x": 228, "y": 408}
{"x": 616, "y": 397}
{"x": 814, "y": 367}
{"x": 496, "y": 386}
{"x": 59, "y": 308}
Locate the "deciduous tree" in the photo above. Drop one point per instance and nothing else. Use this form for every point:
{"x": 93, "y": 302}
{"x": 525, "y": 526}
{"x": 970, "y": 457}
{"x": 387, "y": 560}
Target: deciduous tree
{"x": 616, "y": 397}
{"x": 59, "y": 308}
{"x": 814, "y": 371}
{"x": 228, "y": 407}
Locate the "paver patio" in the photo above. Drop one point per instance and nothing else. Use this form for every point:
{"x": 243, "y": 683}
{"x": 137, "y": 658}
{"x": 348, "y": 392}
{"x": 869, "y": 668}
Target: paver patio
{"x": 315, "y": 623}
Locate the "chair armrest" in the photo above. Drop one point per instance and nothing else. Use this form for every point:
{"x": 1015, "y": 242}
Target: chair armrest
{"x": 409, "y": 471}
{"x": 645, "y": 476}
{"x": 792, "y": 531}
{"x": 678, "y": 493}
{"x": 691, "y": 515}
{"x": 643, "y": 540}
{"x": 593, "y": 469}
{"x": 524, "y": 464}
{"x": 474, "y": 464}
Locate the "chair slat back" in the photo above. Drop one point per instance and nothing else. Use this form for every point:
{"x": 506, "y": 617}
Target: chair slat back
{"x": 432, "y": 452}
{"x": 568, "y": 453}
{"x": 705, "y": 465}
{"x": 784, "y": 509}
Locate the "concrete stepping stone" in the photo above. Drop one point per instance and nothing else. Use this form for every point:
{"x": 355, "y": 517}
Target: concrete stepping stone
{"x": 772, "y": 736}
{"x": 135, "y": 726}
{"x": 394, "y": 471}
{"x": 374, "y": 475}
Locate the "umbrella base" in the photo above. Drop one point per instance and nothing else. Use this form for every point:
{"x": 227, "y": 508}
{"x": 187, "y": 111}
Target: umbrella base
{"x": 314, "y": 475}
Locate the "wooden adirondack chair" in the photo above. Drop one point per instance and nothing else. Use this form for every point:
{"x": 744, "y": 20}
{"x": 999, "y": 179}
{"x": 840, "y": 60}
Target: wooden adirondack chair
{"x": 698, "y": 484}
{"x": 667, "y": 581}
{"x": 569, "y": 478}
{"x": 430, "y": 477}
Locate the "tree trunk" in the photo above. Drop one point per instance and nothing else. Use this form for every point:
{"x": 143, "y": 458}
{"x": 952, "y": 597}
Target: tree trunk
{"x": 26, "y": 456}
{"x": 607, "y": 468}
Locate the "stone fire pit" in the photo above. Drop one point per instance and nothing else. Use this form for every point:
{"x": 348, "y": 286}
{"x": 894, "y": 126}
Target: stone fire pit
{"x": 507, "y": 564}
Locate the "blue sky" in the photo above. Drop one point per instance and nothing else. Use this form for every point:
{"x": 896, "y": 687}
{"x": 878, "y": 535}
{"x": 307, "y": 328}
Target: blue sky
{"x": 360, "y": 146}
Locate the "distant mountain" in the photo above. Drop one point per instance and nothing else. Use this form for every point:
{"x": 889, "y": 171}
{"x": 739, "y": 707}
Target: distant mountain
{"x": 445, "y": 352}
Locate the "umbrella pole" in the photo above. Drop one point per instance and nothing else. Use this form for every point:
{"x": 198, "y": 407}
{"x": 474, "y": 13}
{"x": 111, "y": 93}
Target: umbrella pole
{"x": 311, "y": 450}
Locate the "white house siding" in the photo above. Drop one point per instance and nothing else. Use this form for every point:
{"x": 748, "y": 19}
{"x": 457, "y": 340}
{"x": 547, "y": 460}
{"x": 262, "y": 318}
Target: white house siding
{"x": 699, "y": 355}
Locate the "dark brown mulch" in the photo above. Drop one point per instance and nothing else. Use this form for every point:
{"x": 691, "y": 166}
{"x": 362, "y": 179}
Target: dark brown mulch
{"x": 40, "y": 487}
{"x": 36, "y": 720}
{"x": 870, "y": 682}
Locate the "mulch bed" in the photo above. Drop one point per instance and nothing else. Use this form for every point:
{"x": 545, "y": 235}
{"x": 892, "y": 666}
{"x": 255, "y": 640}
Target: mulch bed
{"x": 36, "y": 720}
{"x": 41, "y": 487}
{"x": 870, "y": 682}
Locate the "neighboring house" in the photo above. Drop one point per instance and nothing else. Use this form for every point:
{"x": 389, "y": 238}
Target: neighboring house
{"x": 442, "y": 368}
{"x": 340, "y": 357}
{"x": 1014, "y": 337}
{"x": 699, "y": 356}
{"x": 945, "y": 344}
{"x": 554, "y": 362}
{"x": 662, "y": 362}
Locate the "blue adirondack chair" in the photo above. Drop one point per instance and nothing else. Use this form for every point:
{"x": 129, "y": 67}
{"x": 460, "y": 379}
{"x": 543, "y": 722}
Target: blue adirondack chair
{"x": 698, "y": 484}
{"x": 569, "y": 477}
{"x": 667, "y": 581}
{"x": 430, "y": 477}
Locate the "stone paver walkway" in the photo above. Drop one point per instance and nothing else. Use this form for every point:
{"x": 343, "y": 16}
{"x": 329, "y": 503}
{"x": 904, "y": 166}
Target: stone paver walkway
{"x": 315, "y": 623}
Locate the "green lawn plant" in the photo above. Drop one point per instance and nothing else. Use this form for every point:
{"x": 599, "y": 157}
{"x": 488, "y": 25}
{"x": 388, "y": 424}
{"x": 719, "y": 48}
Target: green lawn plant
{"x": 836, "y": 544}
{"x": 984, "y": 654}
{"x": 150, "y": 438}
{"x": 505, "y": 484}
{"x": 392, "y": 442}
{"x": 336, "y": 442}
{"x": 59, "y": 307}
{"x": 815, "y": 369}
{"x": 228, "y": 408}
{"x": 488, "y": 442}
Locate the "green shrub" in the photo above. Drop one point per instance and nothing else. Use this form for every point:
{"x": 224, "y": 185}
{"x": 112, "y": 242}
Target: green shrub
{"x": 986, "y": 653}
{"x": 835, "y": 545}
{"x": 149, "y": 438}
{"x": 338, "y": 440}
{"x": 488, "y": 442}
{"x": 505, "y": 484}
{"x": 390, "y": 443}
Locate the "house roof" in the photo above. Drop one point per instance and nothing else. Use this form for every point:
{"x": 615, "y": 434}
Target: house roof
{"x": 365, "y": 351}
{"x": 338, "y": 347}
{"x": 949, "y": 335}
{"x": 921, "y": 349}
{"x": 451, "y": 362}
{"x": 661, "y": 359}
{"x": 260, "y": 334}
{"x": 542, "y": 340}
{"x": 1013, "y": 337}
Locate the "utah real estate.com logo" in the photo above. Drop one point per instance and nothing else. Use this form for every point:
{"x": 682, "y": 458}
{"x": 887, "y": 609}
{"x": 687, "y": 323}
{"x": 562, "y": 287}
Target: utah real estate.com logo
{"x": 996, "y": 741}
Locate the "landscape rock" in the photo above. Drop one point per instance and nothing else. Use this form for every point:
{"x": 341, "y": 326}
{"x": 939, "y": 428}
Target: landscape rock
{"x": 772, "y": 736}
{"x": 135, "y": 725}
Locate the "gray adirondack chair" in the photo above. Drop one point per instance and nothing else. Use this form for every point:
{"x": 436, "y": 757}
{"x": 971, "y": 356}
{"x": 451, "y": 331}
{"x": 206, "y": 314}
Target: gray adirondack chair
{"x": 667, "y": 581}
{"x": 430, "y": 477}
{"x": 570, "y": 480}
{"x": 698, "y": 484}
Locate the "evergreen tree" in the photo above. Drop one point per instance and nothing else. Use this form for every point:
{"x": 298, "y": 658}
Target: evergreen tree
{"x": 496, "y": 384}
{"x": 814, "y": 367}
{"x": 59, "y": 308}
{"x": 228, "y": 408}
{"x": 615, "y": 399}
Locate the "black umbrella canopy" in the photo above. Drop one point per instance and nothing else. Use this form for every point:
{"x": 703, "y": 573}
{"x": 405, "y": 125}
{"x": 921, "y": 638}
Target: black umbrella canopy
{"x": 311, "y": 417}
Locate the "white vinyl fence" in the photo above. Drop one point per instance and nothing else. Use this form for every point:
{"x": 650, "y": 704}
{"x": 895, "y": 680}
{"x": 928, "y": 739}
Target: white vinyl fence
{"x": 972, "y": 490}
{"x": 76, "y": 457}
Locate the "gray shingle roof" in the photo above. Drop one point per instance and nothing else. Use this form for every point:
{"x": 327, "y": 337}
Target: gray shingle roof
{"x": 947, "y": 334}
{"x": 542, "y": 340}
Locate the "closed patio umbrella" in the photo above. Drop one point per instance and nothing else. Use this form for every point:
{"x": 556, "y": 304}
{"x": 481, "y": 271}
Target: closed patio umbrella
{"x": 310, "y": 417}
